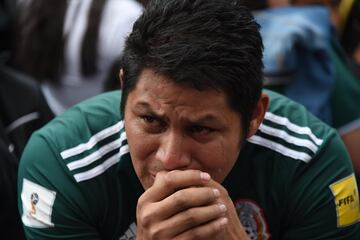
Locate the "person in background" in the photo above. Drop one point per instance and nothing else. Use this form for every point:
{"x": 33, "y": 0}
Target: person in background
{"x": 349, "y": 32}
{"x": 349, "y": 28}
{"x": 191, "y": 147}
{"x": 344, "y": 15}
{"x": 305, "y": 61}
{"x": 70, "y": 46}
{"x": 23, "y": 109}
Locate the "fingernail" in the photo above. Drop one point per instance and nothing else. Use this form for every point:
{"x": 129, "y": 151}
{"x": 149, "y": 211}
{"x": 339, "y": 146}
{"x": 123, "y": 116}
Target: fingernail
{"x": 223, "y": 221}
{"x": 216, "y": 192}
{"x": 222, "y": 207}
{"x": 205, "y": 176}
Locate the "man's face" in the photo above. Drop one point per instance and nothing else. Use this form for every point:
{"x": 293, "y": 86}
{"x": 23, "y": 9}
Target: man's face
{"x": 174, "y": 127}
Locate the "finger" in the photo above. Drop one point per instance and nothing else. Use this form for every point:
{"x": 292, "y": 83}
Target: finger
{"x": 187, "y": 220}
{"x": 166, "y": 183}
{"x": 213, "y": 184}
{"x": 211, "y": 230}
{"x": 184, "y": 199}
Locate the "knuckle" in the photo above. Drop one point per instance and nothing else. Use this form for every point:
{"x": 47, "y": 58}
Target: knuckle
{"x": 194, "y": 235}
{"x": 156, "y": 233}
{"x": 168, "y": 180}
{"x": 160, "y": 178}
{"x": 145, "y": 218}
{"x": 161, "y": 174}
{"x": 180, "y": 199}
{"x": 141, "y": 202}
{"x": 190, "y": 217}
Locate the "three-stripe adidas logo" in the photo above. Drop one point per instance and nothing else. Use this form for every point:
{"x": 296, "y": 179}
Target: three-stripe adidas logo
{"x": 85, "y": 161}
{"x": 286, "y": 138}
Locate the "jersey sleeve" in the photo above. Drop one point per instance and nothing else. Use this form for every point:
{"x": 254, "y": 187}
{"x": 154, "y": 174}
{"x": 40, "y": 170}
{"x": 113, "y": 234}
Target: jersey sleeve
{"x": 50, "y": 203}
{"x": 323, "y": 201}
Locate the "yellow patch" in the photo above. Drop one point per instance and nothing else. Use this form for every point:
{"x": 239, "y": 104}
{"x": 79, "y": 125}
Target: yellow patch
{"x": 346, "y": 200}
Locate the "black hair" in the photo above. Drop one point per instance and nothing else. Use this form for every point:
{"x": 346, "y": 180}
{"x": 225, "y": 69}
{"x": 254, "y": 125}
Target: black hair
{"x": 143, "y": 2}
{"x": 202, "y": 43}
{"x": 40, "y": 41}
{"x": 7, "y": 16}
{"x": 350, "y": 38}
{"x": 256, "y": 4}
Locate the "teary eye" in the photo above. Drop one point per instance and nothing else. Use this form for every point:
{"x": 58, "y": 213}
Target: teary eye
{"x": 201, "y": 129}
{"x": 148, "y": 119}
{"x": 152, "y": 124}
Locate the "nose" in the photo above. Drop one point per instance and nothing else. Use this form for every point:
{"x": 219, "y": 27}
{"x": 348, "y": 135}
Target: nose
{"x": 173, "y": 151}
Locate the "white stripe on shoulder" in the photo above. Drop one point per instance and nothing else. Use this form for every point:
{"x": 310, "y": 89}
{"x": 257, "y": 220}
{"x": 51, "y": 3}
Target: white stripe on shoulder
{"x": 92, "y": 141}
{"x": 79, "y": 177}
{"x": 293, "y": 127}
{"x": 288, "y": 138}
{"x": 97, "y": 154}
{"x": 280, "y": 148}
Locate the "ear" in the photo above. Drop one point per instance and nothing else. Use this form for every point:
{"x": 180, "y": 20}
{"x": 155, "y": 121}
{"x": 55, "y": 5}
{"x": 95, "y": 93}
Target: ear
{"x": 121, "y": 77}
{"x": 259, "y": 114}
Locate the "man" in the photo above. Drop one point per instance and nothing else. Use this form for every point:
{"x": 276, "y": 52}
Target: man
{"x": 194, "y": 150}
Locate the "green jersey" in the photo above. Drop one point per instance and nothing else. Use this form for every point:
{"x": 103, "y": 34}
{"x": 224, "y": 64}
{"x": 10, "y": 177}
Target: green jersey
{"x": 292, "y": 180}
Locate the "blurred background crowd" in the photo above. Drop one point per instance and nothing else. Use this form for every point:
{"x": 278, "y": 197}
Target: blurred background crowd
{"x": 54, "y": 54}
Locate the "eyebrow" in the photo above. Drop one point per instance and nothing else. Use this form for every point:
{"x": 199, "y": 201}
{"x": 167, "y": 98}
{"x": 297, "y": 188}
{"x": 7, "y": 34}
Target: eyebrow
{"x": 144, "y": 106}
{"x": 207, "y": 118}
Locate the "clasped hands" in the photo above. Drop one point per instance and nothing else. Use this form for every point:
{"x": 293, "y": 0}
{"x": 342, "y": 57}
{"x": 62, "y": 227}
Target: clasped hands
{"x": 187, "y": 204}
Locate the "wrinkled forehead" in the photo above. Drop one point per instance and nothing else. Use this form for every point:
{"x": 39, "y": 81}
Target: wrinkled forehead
{"x": 162, "y": 87}
{"x": 156, "y": 91}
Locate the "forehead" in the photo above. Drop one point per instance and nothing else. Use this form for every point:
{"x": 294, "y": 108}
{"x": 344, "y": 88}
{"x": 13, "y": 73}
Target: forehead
{"x": 157, "y": 91}
{"x": 163, "y": 87}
